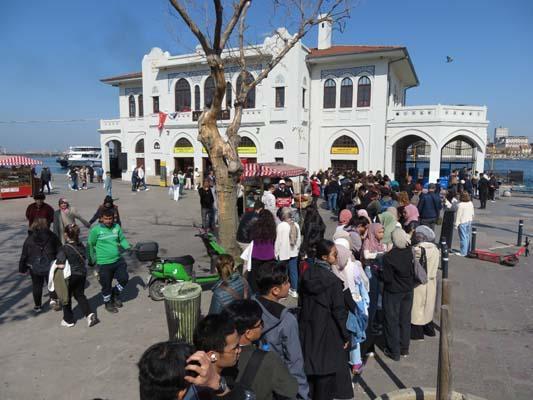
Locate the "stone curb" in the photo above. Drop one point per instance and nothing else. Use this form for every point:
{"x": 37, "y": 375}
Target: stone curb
{"x": 418, "y": 393}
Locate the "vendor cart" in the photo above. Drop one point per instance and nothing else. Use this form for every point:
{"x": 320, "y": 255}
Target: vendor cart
{"x": 256, "y": 176}
{"x": 16, "y": 177}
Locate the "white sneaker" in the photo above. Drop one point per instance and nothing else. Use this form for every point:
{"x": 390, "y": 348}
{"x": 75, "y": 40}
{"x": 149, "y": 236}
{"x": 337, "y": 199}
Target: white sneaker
{"x": 66, "y": 324}
{"x": 92, "y": 320}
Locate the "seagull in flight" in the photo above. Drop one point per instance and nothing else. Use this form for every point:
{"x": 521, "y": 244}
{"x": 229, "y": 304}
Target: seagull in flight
{"x": 449, "y": 59}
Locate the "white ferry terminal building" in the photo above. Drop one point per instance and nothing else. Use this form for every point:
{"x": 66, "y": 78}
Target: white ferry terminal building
{"x": 330, "y": 106}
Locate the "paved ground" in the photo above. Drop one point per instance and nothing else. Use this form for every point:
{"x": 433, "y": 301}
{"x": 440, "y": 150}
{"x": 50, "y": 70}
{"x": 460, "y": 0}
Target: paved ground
{"x": 492, "y": 312}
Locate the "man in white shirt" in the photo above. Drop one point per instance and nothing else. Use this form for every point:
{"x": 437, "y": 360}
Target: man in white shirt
{"x": 269, "y": 200}
{"x": 140, "y": 176}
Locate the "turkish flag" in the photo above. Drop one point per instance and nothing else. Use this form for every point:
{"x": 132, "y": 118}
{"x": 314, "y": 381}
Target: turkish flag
{"x": 162, "y": 119}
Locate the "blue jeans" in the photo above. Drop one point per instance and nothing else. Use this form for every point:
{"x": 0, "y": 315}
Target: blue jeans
{"x": 465, "y": 232}
{"x": 108, "y": 192}
{"x": 355, "y": 355}
{"x": 332, "y": 201}
{"x": 293, "y": 272}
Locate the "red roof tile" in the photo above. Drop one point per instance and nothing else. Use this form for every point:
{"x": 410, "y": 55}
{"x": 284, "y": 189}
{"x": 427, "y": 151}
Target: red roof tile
{"x": 340, "y": 50}
{"x": 132, "y": 75}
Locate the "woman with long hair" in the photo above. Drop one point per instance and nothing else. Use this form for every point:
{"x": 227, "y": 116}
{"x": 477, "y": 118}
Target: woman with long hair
{"x": 287, "y": 246}
{"x": 74, "y": 252}
{"x": 324, "y": 337}
{"x": 263, "y": 239}
{"x": 38, "y": 253}
{"x": 312, "y": 231}
{"x": 66, "y": 215}
{"x": 231, "y": 285}
{"x": 463, "y": 222}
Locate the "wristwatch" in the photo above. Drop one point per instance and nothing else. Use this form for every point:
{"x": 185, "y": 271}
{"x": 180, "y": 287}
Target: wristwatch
{"x": 222, "y": 387}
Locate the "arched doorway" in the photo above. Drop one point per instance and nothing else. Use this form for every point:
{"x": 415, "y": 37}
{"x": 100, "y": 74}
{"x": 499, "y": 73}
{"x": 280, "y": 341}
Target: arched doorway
{"x": 183, "y": 155}
{"x": 412, "y": 156}
{"x": 458, "y": 153}
{"x": 247, "y": 150}
{"x": 114, "y": 149}
{"x": 344, "y": 154}
{"x": 139, "y": 154}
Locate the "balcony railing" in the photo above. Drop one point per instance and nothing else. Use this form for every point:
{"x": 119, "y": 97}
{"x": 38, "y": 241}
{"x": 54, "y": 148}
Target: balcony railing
{"x": 109, "y": 124}
{"x": 223, "y": 115}
{"x": 438, "y": 113}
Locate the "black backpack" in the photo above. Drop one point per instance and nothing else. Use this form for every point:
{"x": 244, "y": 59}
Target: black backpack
{"x": 41, "y": 264}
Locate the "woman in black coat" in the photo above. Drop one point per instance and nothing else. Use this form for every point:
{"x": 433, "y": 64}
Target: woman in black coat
{"x": 398, "y": 285}
{"x": 38, "y": 253}
{"x": 323, "y": 332}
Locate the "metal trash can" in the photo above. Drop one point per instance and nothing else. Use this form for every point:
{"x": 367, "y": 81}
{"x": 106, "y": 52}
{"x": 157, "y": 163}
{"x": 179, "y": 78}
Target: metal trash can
{"x": 182, "y": 306}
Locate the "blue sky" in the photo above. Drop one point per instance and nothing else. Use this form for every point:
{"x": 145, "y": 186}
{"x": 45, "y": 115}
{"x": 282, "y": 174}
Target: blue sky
{"x": 55, "y": 52}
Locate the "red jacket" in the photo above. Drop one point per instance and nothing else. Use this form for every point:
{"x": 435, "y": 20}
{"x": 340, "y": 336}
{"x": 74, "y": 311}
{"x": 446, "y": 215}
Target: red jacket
{"x": 46, "y": 212}
{"x": 315, "y": 188}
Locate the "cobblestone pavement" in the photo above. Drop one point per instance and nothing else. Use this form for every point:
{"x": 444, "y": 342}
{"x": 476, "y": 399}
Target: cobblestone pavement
{"x": 492, "y": 311}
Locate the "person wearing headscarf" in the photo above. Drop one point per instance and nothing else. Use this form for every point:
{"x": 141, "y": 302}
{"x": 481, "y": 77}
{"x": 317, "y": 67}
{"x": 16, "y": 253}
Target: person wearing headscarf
{"x": 356, "y": 229}
{"x": 107, "y": 204}
{"x": 398, "y": 284}
{"x": 344, "y": 217}
{"x": 373, "y": 251}
{"x": 410, "y": 214}
{"x": 355, "y": 281}
{"x": 388, "y": 221}
{"x": 425, "y": 295}
{"x": 363, "y": 213}
{"x": 64, "y": 216}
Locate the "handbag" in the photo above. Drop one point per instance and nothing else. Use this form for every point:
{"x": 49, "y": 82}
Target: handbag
{"x": 419, "y": 267}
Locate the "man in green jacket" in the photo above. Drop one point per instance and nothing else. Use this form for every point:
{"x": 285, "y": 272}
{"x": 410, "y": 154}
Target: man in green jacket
{"x": 106, "y": 240}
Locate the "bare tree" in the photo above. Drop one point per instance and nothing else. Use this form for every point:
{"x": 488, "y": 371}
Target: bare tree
{"x": 214, "y": 39}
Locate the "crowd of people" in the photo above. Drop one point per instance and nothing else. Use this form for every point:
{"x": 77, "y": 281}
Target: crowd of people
{"x": 373, "y": 282}
{"x": 53, "y": 254}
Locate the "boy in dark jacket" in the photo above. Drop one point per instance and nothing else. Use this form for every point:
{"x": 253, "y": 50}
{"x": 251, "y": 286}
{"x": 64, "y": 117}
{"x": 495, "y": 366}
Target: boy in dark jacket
{"x": 271, "y": 375}
{"x": 207, "y": 201}
{"x": 429, "y": 207}
{"x": 280, "y": 331}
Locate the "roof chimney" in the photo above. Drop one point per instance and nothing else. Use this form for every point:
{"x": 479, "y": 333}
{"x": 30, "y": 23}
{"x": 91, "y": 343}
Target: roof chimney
{"x": 324, "y": 33}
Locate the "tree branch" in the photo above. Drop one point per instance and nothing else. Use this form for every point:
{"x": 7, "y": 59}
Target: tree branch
{"x": 219, "y": 10}
{"x": 192, "y": 25}
{"x": 238, "y": 10}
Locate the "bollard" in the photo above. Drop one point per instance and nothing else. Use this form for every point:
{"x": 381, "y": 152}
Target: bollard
{"x": 473, "y": 241}
{"x": 444, "y": 261}
{"x": 520, "y": 232}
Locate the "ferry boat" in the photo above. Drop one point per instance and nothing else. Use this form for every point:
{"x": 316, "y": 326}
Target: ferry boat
{"x": 78, "y": 156}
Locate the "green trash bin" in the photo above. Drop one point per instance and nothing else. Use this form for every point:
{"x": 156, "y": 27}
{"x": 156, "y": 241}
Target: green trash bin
{"x": 182, "y": 306}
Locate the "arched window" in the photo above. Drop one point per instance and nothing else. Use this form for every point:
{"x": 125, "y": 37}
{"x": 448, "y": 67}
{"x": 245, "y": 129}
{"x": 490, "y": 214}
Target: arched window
{"x": 250, "y": 97}
{"x": 330, "y": 89}
{"x": 139, "y": 146}
{"x": 131, "y": 101}
{"x": 183, "y": 95}
{"x": 363, "y": 92}
{"x": 246, "y": 142}
{"x": 182, "y": 142}
{"x": 229, "y": 100}
{"x": 278, "y": 145}
{"x": 344, "y": 141}
{"x": 157, "y": 146}
{"x": 346, "y": 93}
{"x": 209, "y": 91}
{"x": 141, "y": 106}
{"x": 197, "y": 98}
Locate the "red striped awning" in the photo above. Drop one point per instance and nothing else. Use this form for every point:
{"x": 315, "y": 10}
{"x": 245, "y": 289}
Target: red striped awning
{"x": 273, "y": 170}
{"x": 13, "y": 161}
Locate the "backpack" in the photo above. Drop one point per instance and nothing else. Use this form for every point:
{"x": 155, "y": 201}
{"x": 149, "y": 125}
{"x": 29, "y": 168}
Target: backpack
{"x": 41, "y": 264}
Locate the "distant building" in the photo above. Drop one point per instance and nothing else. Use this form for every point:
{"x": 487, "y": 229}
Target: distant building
{"x": 514, "y": 146}
{"x": 331, "y": 106}
{"x": 500, "y": 133}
